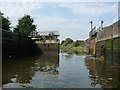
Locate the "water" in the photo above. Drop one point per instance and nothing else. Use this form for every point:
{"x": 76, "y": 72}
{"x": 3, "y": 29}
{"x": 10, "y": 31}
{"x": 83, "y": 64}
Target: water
{"x": 57, "y": 71}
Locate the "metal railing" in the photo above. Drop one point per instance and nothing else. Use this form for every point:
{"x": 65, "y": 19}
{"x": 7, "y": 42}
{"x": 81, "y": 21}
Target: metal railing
{"x": 92, "y": 32}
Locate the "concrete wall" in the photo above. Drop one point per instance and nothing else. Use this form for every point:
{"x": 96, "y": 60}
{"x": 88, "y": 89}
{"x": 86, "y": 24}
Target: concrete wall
{"x": 49, "y": 47}
{"x": 90, "y": 46}
{"x": 111, "y": 31}
{"x": 14, "y": 45}
{"x": 109, "y": 38}
{"x": 86, "y": 46}
{"x": 112, "y": 48}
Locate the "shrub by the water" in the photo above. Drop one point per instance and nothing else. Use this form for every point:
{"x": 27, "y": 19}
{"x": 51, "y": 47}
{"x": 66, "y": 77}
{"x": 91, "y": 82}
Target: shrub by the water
{"x": 68, "y": 41}
{"x": 69, "y": 45}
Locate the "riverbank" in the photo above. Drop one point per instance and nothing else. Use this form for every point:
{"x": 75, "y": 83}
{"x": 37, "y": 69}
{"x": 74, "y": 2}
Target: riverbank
{"x": 71, "y": 46}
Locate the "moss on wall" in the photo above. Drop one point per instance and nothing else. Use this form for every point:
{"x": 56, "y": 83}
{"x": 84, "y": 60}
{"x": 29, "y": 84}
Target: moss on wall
{"x": 112, "y": 47}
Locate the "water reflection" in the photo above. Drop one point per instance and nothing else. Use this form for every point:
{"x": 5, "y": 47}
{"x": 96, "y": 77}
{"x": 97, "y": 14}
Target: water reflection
{"x": 47, "y": 71}
{"x": 105, "y": 72}
{"x": 22, "y": 71}
{"x": 19, "y": 69}
{"x": 66, "y": 71}
{"x": 47, "y": 63}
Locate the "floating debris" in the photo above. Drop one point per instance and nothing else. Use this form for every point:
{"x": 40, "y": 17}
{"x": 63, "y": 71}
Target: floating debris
{"x": 14, "y": 80}
{"x": 12, "y": 85}
{"x": 26, "y": 85}
{"x": 112, "y": 66}
{"x": 110, "y": 79}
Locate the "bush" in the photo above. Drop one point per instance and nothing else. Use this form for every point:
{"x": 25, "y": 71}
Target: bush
{"x": 68, "y": 41}
{"x": 77, "y": 43}
{"x": 62, "y": 42}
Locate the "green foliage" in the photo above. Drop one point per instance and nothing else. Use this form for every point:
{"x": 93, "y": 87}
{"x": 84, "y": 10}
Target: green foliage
{"x": 67, "y": 41}
{"x": 5, "y": 22}
{"x": 78, "y": 42}
{"x": 62, "y": 42}
{"x": 51, "y": 36}
{"x": 25, "y": 26}
{"x": 70, "y": 46}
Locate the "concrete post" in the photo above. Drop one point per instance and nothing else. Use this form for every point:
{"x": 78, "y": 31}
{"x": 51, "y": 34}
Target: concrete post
{"x": 102, "y": 25}
{"x": 91, "y": 24}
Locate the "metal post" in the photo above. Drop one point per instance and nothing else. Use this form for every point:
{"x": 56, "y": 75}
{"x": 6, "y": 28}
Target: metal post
{"x": 91, "y": 24}
{"x": 102, "y": 25}
{"x": 112, "y": 41}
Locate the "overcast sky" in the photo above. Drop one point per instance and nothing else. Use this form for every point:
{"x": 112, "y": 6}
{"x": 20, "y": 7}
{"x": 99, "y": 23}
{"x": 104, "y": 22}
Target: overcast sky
{"x": 72, "y": 19}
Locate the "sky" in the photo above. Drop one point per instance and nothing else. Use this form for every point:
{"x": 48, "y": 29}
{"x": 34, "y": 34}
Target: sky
{"x": 71, "y": 19}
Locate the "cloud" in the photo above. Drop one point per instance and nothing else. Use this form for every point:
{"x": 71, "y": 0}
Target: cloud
{"x": 77, "y": 27}
{"x": 60, "y": 1}
{"x": 54, "y": 22}
{"x": 66, "y": 27}
{"x": 15, "y": 9}
{"x": 93, "y": 9}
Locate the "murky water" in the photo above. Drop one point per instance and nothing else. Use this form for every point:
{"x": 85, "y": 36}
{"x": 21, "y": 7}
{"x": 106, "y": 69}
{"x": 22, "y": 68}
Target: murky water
{"x": 59, "y": 71}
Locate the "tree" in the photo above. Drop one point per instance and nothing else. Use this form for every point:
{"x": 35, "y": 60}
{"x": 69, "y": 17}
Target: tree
{"x": 68, "y": 41}
{"x": 25, "y": 26}
{"x": 77, "y": 43}
{"x": 62, "y": 42}
{"x": 5, "y": 22}
{"x": 52, "y": 36}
